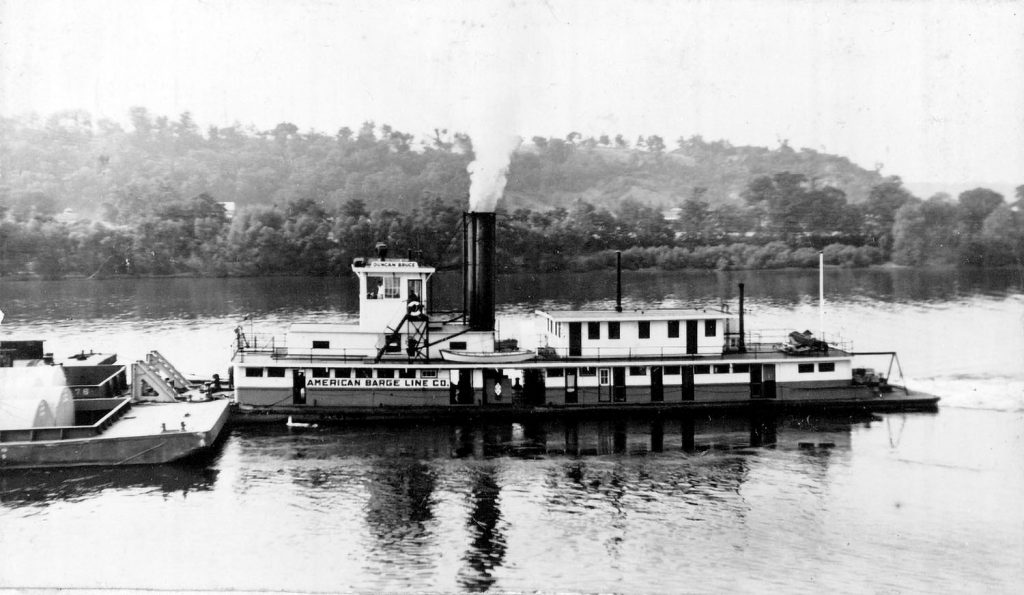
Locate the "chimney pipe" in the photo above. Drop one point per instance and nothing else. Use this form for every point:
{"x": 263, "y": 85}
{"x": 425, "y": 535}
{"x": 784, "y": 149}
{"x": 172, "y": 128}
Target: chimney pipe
{"x": 618, "y": 280}
{"x": 742, "y": 344}
{"x": 478, "y": 294}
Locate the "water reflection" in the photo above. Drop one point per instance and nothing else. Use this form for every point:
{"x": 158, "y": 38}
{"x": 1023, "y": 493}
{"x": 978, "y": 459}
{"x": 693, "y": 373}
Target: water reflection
{"x": 399, "y": 510}
{"x": 486, "y": 550}
{"x": 43, "y": 487}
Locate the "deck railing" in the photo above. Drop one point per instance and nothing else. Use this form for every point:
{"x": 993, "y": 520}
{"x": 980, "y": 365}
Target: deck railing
{"x": 70, "y": 432}
{"x": 759, "y": 344}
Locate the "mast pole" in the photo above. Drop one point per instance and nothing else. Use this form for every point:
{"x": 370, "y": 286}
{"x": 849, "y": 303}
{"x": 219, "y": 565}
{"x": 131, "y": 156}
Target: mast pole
{"x": 821, "y": 296}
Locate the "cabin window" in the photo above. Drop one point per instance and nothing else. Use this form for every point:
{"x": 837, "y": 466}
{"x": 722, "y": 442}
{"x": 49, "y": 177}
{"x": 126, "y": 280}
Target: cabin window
{"x": 457, "y": 345}
{"x": 673, "y": 329}
{"x": 644, "y": 327}
{"x": 710, "y": 328}
{"x": 604, "y": 377}
{"x": 415, "y": 287}
{"x": 638, "y": 370}
{"x": 721, "y": 368}
{"x": 558, "y": 329}
{"x": 555, "y": 372}
{"x": 275, "y": 372}
{"x": 702, "y": 369}
{"x": 805, "y": 368}
{"x": 613, "y": 330}
{"x": 407, "y": 373}
{"x": 673, "y": 370}
{"x": 254, "y": 372}
{"x": 342, "y": 372}
{"x": 321, "y": 344}
{"x": 589, "y": 371}
{"x": 740, "y": 368}
{"x": 374, "y": 287}
{"x": 379, "y": 287}
{"x": 364, "y": 373}
{"x": 827, "y": 367}
{"x": 428, "y": 373}
{"x": 392, "y": 287}
{"x": 594, "y": 330}
{"x": 321, "y": 373}
{"x": 386, "y": 373}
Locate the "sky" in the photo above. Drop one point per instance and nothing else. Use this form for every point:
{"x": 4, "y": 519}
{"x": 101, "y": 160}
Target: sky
{"x": 930, "y": 91}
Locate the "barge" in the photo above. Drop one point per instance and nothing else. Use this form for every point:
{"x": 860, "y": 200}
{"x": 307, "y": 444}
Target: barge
{"x": 401, "y": 359}
{"x": 86, "y": 411}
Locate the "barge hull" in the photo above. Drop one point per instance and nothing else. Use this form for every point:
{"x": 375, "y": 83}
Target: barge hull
{"x": 141, "y": 439}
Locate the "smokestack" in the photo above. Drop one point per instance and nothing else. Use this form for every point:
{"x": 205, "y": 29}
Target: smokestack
{"x": 478, "y": 248}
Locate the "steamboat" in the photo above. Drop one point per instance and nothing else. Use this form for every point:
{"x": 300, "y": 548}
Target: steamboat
{"x": 402, "y": 359}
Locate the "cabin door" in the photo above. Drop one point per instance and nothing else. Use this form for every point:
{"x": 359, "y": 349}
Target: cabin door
{"x": 762, "y": 381}
{"x": 571, "y": 392}
{"x": 619, "y": 385}
{"x": 768, "y": 381}
{"x": 298, "y": 387}
{"x": 465, "y": 387}
{"x": 604, "y": 385}
{"x": 691, "y": 336}
{"x": 687, "y": 381}
{"x": 575, "y": 339}
{"x": 657, "y": 386}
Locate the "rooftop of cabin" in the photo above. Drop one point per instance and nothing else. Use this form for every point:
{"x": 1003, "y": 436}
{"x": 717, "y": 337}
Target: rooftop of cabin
{"x": 628, "y": 315}
{"x": 389, "y": 265}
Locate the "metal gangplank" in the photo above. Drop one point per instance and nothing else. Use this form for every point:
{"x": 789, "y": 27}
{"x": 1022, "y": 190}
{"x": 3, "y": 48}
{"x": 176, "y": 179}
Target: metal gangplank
{"x": 159, "y": 375}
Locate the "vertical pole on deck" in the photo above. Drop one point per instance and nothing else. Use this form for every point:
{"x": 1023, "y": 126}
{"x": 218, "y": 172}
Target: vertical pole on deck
{"x": 821, "y": 296}
{"x": 618, "y": 280}
{"x": 743, "y": 340}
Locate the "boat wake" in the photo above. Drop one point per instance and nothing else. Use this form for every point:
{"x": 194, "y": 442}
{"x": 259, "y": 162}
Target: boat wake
{"x": 972, "y": 391}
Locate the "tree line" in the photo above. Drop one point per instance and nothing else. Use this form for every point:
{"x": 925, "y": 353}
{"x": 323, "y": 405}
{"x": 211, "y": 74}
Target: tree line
{"x": 95, "y": 199}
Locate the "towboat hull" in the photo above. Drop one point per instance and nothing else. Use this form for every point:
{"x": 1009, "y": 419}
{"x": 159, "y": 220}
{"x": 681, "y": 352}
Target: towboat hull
{"x": 862, "y": 400}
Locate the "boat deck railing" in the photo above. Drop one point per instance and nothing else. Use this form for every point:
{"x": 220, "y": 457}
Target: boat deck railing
{"x": 119, "y": 406}
{"x": 760, "y": 344}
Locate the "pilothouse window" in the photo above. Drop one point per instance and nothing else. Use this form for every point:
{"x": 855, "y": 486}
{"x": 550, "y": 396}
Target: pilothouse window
{"x": 391, "y": 287}
{"x": 379, "y": 287}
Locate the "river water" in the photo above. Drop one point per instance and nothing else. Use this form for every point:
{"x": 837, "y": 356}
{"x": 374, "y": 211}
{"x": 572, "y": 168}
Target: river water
{"x": 886, "y": 503}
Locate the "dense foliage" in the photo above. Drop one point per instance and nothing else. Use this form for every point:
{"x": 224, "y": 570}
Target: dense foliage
{"x": 79, "y": 197}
